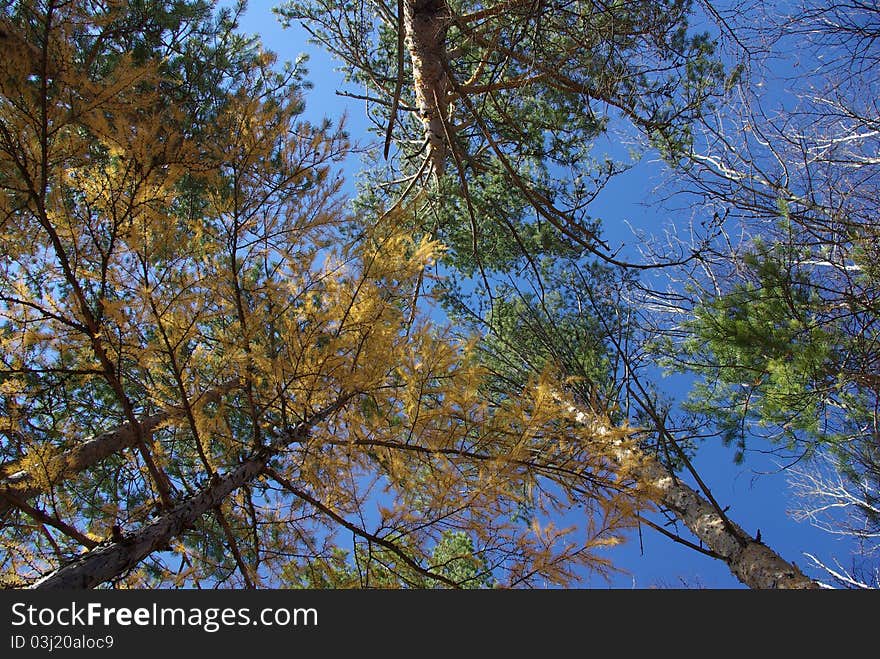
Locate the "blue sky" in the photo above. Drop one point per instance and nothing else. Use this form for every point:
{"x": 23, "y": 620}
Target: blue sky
{"x": 756, "y": 492}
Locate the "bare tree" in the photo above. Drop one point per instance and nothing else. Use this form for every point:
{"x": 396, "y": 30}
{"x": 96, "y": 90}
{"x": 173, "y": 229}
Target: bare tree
{"x": 841, "y": 506}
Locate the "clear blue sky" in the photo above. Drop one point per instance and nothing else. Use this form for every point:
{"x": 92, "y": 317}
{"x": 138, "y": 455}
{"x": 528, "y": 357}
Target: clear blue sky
{"x": 756, "y": 492}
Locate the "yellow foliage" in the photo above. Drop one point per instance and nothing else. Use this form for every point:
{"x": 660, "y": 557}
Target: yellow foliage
{"x": 201, "y": 277}
{"x": 43, "y": 464}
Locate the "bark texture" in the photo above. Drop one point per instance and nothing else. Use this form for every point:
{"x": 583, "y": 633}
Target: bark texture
{"x": 752, "y": 562}
{"x": 23, "y": 484}
{"x": 109, "y": 561}
{"x": 425, "y": 23}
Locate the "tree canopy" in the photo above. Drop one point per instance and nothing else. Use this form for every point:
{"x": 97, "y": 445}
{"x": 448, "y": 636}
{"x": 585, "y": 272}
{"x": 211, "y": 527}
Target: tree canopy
{"x": 204, "y": 381}
{"x": 218, "y": 370}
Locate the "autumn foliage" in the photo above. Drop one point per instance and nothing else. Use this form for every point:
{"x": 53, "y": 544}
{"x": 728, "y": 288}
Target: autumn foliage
{"x": 182, "y": 301}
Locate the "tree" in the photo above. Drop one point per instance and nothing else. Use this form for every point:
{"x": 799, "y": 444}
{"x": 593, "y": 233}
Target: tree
{"x": 829, "y": 498}
{"x": 514, "y": 96}
{"x": 783, "y": 305}
{"x": 203, "y": 381}
{"x": 586, "y": 327}
{"x": 454, "y": 556}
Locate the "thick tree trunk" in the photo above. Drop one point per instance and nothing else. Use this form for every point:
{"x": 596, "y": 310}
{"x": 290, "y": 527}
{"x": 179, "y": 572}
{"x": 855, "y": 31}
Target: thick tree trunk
{"x": 425, "y": 23}
{"x": 750, "y": 561}
{"x": 21, "y": 484}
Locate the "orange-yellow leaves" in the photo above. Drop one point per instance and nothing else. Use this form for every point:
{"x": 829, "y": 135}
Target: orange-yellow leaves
{"x": 199, "y": 278}
{"x": 42, "y": 464}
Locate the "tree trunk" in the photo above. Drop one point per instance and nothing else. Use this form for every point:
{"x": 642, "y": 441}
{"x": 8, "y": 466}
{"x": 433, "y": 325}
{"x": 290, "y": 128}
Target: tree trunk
{"x": 750, "y": 561}
{"x": 425, "y": 23}
{"x": 20, "y": 484}
{"x": 107, "y": 562}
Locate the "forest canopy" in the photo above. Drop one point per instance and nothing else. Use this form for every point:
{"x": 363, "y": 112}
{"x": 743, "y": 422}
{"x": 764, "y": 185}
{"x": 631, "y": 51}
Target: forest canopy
{"x": 221, "y": 368}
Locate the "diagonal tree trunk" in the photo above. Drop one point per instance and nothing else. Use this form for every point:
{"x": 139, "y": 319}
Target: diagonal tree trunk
{"x": 111, "y": 560}
{"x": 21, "y": 484}
{"x": 108, "y": 561}
{"x": 24, "y": 484}
{"x": 752, "y": 562}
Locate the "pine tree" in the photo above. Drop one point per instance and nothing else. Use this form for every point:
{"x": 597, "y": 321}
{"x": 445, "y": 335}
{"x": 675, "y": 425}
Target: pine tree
{"x": 494, "y": 110}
